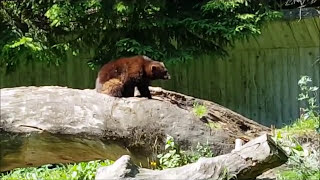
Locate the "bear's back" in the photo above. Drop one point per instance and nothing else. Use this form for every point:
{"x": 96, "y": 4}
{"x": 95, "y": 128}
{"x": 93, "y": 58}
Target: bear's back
{"x": 123, "y": 67}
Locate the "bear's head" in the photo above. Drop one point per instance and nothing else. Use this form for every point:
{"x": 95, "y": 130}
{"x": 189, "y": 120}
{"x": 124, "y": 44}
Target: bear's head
{"x": 159, "y": 71}
{"x": 155, "y": 69}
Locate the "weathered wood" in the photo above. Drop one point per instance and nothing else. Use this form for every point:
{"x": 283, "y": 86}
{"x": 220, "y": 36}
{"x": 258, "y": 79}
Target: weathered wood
{"x": 251, "y": 160}
{"x": 238, "y": 144}
{"x": 42, "y": 125}
{"x": 237, "y": 124}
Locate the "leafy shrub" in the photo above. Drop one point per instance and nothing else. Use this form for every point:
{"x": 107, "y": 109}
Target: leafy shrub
{"x": 302, "y": 165}
{"x": 175, "y": 157}
{"x": 308, "y": 96}
{"x": 201, "y": 151}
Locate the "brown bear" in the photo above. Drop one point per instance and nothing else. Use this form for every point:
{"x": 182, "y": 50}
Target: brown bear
{"x": 119, "y": 78}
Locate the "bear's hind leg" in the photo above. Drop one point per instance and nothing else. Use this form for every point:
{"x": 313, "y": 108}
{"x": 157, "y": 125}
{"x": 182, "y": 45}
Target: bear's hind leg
{"x": 128, "y": 91}
{"x": 113, "y": 87}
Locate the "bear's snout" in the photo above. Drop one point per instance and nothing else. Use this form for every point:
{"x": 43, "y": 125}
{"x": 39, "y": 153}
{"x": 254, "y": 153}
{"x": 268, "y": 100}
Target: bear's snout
{"x": 167, "y": 76}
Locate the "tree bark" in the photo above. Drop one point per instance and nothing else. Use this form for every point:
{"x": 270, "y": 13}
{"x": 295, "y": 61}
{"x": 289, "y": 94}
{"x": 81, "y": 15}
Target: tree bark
{"x": 42, "y": 125}
{"x": 233, "y": 122}
{"x": 251, "y": 160}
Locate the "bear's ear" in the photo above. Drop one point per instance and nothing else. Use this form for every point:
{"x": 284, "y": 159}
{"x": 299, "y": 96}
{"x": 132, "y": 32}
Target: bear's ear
{"x": 146, "y": 58}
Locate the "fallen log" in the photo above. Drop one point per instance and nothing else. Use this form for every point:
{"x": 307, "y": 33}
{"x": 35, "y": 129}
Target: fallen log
{"x": 248, "y": 162}
{"x": 42, "y": 125}
{"x": 236, "y": 124}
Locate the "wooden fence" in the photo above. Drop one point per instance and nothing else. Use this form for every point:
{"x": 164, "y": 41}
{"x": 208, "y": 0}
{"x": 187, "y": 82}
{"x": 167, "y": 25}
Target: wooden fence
{"x": 258, "y": 80}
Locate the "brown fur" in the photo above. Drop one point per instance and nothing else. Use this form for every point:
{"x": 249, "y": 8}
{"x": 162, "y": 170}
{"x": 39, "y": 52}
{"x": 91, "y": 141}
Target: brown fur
{"x": 119, "y": 78}
{"x": 113, "y": 87}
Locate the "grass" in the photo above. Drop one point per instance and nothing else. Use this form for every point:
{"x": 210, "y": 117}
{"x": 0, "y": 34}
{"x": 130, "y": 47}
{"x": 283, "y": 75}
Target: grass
{"x": 296, "y": 175}
{"x": 77, "y": 171}
{"x": 302, "y": 127}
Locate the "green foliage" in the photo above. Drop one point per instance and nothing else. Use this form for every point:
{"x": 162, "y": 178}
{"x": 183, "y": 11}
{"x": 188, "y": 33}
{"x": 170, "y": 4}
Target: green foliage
{"x": 174, "y": 157}
{"x": 199, "y": 110}
{"x": 303, "y": 165}
{"x": 27, "y": 42}
{"x": 308, "y": 96}
{"x": 214, "y": 125}
{"x": 226, "y": 175}
{"x": 201, "y": 151}
{"x": 161, "y": 29}
{"x": 302, "y": 126}
{"x": 79, "y": 171}
{"x": 298, "y": 175}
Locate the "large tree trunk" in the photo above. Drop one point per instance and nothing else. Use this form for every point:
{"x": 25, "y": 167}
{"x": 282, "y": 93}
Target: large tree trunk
{"x": 251, "y": 160}
{"x": 41, "y": 125}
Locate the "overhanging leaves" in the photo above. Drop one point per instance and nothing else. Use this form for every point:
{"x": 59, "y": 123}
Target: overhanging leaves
{"x": 161, "y": 29}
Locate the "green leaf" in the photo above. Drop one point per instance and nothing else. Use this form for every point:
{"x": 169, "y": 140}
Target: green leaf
{"x": 246, "y": 16}
{"x": 121, "y": 7}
